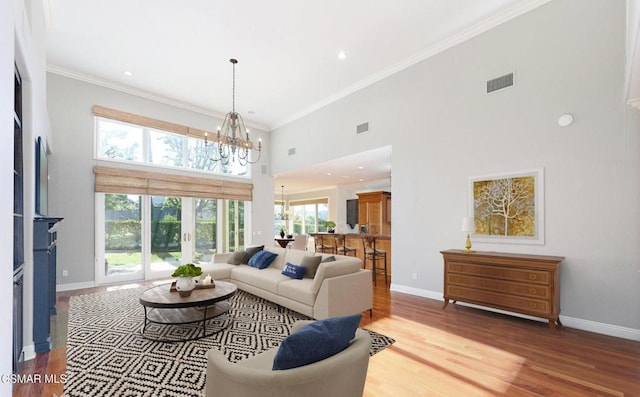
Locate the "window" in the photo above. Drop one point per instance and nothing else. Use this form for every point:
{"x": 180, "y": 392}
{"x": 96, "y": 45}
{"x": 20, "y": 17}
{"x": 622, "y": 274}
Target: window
{"x": 118, "y": 140}
{"x": 309, "y": 216}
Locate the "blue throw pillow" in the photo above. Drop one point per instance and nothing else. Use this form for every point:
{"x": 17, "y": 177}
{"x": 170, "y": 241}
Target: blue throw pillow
{"x": 316, "y": 341}
{"x": 262, "y": 259}
{"x": 294, "y": 271}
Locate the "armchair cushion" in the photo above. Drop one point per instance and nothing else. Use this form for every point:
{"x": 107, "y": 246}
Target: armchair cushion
{"x": 316, "y": 341}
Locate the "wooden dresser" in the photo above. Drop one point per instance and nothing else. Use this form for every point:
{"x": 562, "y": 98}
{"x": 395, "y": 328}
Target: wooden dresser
{"x": 527, "y": 284}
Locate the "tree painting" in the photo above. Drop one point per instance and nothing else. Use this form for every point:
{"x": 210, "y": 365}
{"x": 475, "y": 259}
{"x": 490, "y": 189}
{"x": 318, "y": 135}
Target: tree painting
{"x": 505, "y": 207}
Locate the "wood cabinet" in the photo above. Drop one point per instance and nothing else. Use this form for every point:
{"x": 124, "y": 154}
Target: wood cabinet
{"x": 527, "y": 284}
{"x": 374, "y": 211}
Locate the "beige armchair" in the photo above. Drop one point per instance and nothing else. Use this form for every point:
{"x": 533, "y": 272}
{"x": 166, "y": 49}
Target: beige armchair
{"x": 341, "y": 375}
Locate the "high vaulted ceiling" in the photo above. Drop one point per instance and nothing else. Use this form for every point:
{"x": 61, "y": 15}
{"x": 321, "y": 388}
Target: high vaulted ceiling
{"x": 179, "y": 51}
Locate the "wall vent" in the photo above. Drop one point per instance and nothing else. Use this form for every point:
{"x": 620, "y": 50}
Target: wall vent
{"x": 500, "y": 82}
{"x": 292, "y": 151}
{"x": 264, "y": 170}
{"x": 364, "y": 127}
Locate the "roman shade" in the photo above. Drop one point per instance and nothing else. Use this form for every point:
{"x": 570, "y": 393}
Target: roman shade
{"x": 101, "y": 111}
{"x": 127, "y": 181}
{"x": 309, "y": 201}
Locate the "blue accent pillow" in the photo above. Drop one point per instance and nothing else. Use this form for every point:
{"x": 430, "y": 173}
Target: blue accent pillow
{"x": 316, "y": 341}
{"x": 249, "y": 252}
{"x": 262, "y": 259}
{"x": 294, "y": 271}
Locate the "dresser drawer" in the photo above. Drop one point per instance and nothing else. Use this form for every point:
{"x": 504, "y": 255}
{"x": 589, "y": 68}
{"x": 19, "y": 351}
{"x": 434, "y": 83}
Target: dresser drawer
{"x": 509, "y": 287}
{"x": 499, "y": 272}
{"x": 502, "y": 301}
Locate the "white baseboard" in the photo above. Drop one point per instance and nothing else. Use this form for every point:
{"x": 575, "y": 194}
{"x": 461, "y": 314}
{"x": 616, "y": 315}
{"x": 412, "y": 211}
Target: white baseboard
{"x": 72, "y": 286}
{"x": 572, "y": 322}
{"x": 29, "y": 352}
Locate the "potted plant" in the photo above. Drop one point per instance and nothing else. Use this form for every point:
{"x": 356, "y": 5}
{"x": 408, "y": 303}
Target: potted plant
{"x": 282, "y": 232}
{"x": 331, "y": 226}
{"x": 185, "y": 274}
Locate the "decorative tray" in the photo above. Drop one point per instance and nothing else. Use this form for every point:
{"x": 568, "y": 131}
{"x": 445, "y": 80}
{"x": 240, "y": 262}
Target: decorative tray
{"x": 198, "y": 286}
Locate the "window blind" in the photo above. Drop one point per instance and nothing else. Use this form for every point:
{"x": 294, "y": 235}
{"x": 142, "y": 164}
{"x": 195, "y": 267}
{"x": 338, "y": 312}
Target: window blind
{"x": 101, "y": 111}
{"x": 126, "y": 181}
{"x": 309, "y": 201}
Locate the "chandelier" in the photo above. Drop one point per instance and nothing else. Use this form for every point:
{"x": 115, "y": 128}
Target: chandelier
{"x": 232, "y": 138}
{"x": 283, "y": 215}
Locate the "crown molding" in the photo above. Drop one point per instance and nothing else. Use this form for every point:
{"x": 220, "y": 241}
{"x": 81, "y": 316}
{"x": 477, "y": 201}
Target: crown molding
{"x": 143, "y": 94}
{"x": 466, "y": 34}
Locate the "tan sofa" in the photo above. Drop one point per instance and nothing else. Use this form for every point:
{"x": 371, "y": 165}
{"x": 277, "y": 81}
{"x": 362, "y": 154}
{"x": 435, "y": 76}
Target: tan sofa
{"x": 339, "y": 288}
{"x": 341, "y": 375}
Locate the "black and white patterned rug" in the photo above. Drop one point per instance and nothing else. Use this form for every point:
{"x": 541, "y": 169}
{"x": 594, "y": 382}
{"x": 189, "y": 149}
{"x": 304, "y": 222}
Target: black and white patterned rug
{"x": 107, "y": 356}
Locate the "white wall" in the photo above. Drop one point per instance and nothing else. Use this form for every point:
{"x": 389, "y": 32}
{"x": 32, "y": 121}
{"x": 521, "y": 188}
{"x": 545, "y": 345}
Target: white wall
{"x": 6, "y": 179}
{"x": 22, "y": 40}
{"x": 568, "y": 57}
{"x": 71, "y": 191}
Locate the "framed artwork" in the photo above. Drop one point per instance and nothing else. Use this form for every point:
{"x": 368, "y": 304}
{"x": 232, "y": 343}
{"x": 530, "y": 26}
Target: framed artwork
{"x": 508, "y": 208}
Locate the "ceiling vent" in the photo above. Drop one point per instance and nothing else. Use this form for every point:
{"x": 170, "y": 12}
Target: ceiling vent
{"x": 500, "y": 82}
{"x": 292, "y": 151}
{"x": 364, "y": 127}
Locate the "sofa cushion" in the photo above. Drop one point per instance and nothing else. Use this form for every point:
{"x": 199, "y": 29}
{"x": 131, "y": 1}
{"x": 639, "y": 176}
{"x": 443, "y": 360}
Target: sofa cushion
{"x": 316, "y": 341}
{"x": 295, "y": 256}
{"x": 329, "y": 258}
{"x": 294, "y": 271}
{"x": 266, "y": 279}
{"x": 236, "y": 258}
{"x": 249, "y": 252}
{"x": 262, "y": 259}
{"x": 311, "y": 263}
{"x": 279, "y": 262}
{"x": 218, "y": 271}
{"x": 298, "y": 290}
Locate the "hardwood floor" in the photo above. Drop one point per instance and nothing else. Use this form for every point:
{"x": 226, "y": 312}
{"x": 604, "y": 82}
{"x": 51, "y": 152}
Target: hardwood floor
{"x": 459, "y": 351}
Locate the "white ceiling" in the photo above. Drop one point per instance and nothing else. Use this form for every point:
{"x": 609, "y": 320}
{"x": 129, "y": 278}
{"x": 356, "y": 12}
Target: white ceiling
{"x": 287, "y": 50}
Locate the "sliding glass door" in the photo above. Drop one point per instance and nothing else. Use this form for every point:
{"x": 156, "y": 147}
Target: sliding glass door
{"x": 147, "y": 237}
{"x": 120, "y": 245}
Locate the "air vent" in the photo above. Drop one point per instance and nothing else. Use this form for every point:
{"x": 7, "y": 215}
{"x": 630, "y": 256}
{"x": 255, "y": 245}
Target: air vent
{"x": 264, "y": 170}
{"x": 500, "y": 82}
{"x": 364, "y": 127}
{"x": 292, "y": 151}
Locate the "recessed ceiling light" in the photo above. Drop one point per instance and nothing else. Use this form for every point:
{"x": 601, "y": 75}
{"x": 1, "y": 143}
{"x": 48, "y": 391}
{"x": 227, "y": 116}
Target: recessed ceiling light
{"x": 361, "y": 180}
{"x": 328, "y": 173}
{"x": 128, "y": 73}
{"x": 345, "y": 177}
{"x": 342, "y": 55}
{"x": 360, "y": 167}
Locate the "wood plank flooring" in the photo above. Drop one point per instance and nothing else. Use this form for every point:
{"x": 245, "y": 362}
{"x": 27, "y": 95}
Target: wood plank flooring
{"x": 459, "y": 351}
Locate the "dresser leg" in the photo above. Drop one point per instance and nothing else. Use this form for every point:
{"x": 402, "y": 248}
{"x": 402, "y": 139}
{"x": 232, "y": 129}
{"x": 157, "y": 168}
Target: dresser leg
{"x": 446, "y": 302}
{"x": 552, "y": 324}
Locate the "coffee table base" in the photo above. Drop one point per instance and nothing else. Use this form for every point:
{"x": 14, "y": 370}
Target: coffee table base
{"x": 181, "y": 316}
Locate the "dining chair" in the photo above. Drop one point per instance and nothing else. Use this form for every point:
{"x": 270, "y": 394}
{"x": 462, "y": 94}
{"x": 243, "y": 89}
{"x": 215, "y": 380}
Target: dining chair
{"x": 341, "y": 247}
{"x": 322, "y": 244}
{"x": 300, "y": 242}
{"x": 374, "y": 255}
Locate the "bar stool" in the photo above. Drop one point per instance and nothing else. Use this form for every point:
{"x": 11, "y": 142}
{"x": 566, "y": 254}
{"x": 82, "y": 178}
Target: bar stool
{"x": 321, "y": 246}
{"x": 341, "y": 247}
{"x": 374, "y": 255}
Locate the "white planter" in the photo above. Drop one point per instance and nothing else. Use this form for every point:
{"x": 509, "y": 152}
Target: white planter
{"x": 185, "y": 285}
